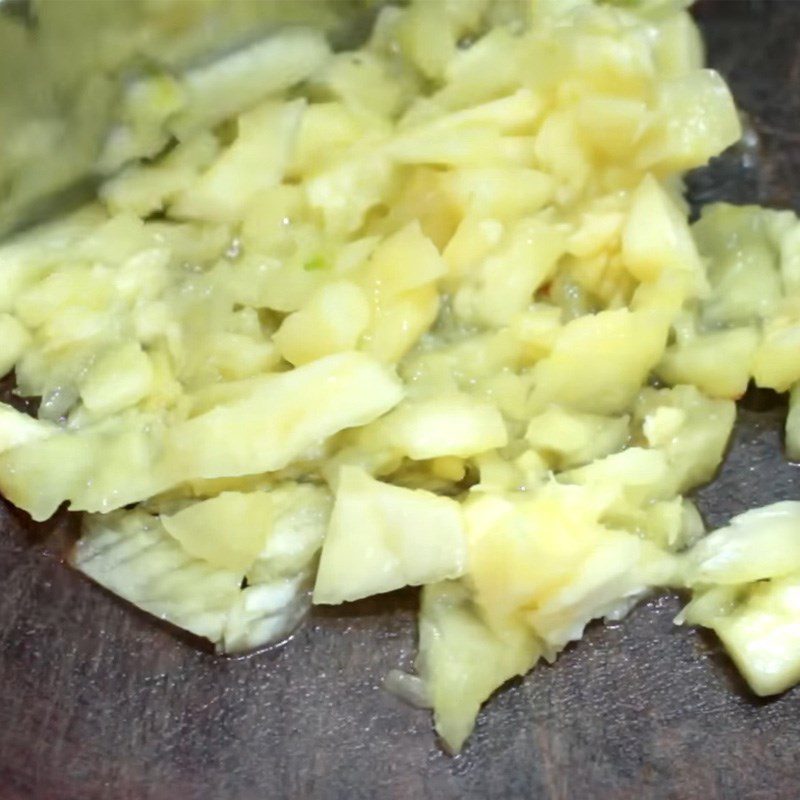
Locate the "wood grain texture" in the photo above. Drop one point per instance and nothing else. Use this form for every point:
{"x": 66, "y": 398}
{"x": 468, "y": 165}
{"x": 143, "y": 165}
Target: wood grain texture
{"x": 98, "y": 702}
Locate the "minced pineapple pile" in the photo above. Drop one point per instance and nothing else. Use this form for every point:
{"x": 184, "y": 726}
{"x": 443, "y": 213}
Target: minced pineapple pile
{"x": 431, "y": 313}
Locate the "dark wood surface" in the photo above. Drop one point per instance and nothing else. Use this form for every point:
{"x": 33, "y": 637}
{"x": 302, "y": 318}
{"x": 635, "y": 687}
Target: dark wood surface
{"x": 97, "y": 702}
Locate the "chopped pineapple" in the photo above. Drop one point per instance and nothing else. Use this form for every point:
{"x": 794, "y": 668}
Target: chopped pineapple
{"x": 449, "y": 425}
{"x": 762, "y": 543}
{"x": 440, "y": 274}
{"x": 462, "y": 660}
{"x": 759, "y": 628}
{"x": 131, "y": 555}
{"x": 384, "y": 537}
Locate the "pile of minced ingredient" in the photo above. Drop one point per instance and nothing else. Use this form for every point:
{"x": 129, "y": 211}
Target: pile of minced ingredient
{"x": 431, "y": 313}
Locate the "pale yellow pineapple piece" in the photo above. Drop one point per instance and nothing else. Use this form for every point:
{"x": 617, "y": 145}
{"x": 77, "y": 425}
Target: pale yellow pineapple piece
{"x": 130, "y": 554}
{"x": 325, "y": 131}
{"x": 718, "y": 363}
{"x": 400, "y": 323}
{"x": 118, "y": 379}
{"x": 759, "y": 625}
{"x": 255, "y": 161}
{"x": 761, "y": 543}
{"x": 742, "y": 259}
{"x": 17, "y": 428}
{"x": 599, "y": 362}
{"x": 776, "y": 364}
{"x": 402, "y": 262}
{"x": 545, "y": 557}
{"x": 692, "y": 430}
{"x": 238, "y": 81}
{"x": 332, "y": 321}
{"x": 695, "y": 119}
{"x": 383, "y": 537}
{"x": 656, "y": 237}
{"x": 569, "y": 439}
{"x": 462, "y": 660}
{"x": 446, "y": 425}
{"x": 281, "y": 418}
{"x": 504, "y": 283}
{"x": 227, "y": 531}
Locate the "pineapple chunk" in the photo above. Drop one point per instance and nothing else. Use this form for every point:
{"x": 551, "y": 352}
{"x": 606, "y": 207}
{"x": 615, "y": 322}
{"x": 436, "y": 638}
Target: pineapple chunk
{"x": 599, "y": 362}
{"x": 656, "y": 237}
{"x": 267, "y": 534}
{"x": 118, "y": 379}
{"x": 462, "y": 660}
{"x": 504, "y": 283}
{"x": 100, "y": 468}
{"x": 545, "y": 558}
{"x": 691, "y": 429}
{"x": 130, "y": 554}
{"x": 696, "y": 120}
{"x": 17, "y": 428}
{"x": 333, "y": 320}
{"x": 447, "y": 425}
{"x": 264, "y": 613}
{"x": 761, "y": 543}
{"x": 569, "y": 439}
{"x": 227, "y": 531}
{"x": 232, "y": 84}
{"x": 759, "y": 627}
{"x": 298, "y": 519}
{"x": 281, "y": 418}
{"x": 717, "y": 363}
{"x": 776, "y": 364}
{"x": 384, "y": 537}
{"x": 402, "y": 262}
{"x": 257, "y": 160}
{"x": 742, "y": 263}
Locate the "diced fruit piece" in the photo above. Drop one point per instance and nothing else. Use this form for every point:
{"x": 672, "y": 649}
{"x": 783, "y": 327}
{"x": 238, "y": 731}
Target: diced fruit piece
{"x": 717, "y": 363}
{"x": 656, "y": 237}
{"x": 332, "y": 321}
{"x": 742, "y": 263}
{"x": 130, "y": 554}
{"x": 118, "y": 379}
{"x": 454, "y": 425}
{"x": 570, "y": 439}
{"x": 269, "y": 426}
{"x": 382, "y": 537}
{"x": 17, "y": 428}
{"x": 298, "y": 519}
{"x": 776, "y": 363}
{"x": 462, "y": 660}
{"x": 545, "y": 558}
{"x": 228, "y": 531}
{"x": 256, "y": 160}
{"x": 691, "y": 429}
{"x": 760, "y": 628}
{"x": 264, "y": 613}
{"x": 504, "y": 283}
{"x": 404, "y": 261}
{"x": 599, "y": 361}
{"x": 696, "y": 120}
{"x": 238, "y": 81}
{"x": 100, "y": 468}
{"x": 761, "y": 543}
{"x": 399, "y": 324}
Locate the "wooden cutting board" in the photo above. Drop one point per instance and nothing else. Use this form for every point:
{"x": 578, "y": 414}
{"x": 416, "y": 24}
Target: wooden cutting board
{"x": 99, "y": 703}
